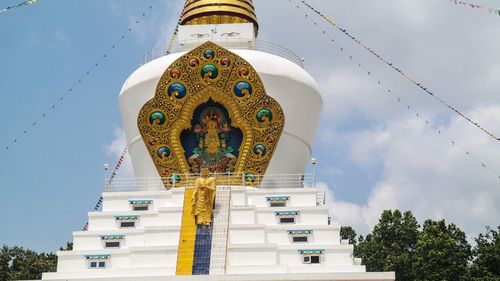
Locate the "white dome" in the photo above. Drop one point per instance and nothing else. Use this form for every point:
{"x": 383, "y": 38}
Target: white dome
{"x": 288, "y": 83}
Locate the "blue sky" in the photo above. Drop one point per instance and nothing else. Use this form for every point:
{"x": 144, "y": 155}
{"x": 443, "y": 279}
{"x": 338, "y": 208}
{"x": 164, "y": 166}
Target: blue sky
{"x": 54, "y": 175}
{"x": 373, "y": 154}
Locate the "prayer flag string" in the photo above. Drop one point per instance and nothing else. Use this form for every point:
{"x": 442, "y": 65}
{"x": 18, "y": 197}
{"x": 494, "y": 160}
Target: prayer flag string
{"x": 83, "y": 77}
{"x": 109, "y": 181}
{"x": 118, "y": 164}
{"x": 172, "y": 39}
{"x": 401, "y": 101}
{"x": 400, "y": 71}
{"x": 475, "y": 6}
{"x": 25, "y": 3}
{"x": 125, "y": 150}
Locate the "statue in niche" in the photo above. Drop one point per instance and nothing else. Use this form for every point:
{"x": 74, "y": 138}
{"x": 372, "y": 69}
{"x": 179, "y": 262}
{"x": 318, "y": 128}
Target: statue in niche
{"x": 203, "y": 197}
{"x": 211, "y": 140}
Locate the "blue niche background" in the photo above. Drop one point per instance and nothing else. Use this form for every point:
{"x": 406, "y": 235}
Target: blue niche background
{"x": 211, "y": 140}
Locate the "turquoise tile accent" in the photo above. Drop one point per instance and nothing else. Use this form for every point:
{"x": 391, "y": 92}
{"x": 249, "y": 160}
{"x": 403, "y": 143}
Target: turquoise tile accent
{"x": 112, "y": 237}
{"x": 300, "y": 231}
{"x": 97, "y": 257}
{"x": 287, "y": 213}
{"x": 132, "y": 217}
{"x": 311, "y": 251}
{"x": 277, "y": 198}
{"x": 140, "y": 202}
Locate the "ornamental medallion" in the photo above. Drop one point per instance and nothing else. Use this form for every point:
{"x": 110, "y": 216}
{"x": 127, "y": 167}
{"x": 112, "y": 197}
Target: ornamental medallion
{"x": 210, "y": 107}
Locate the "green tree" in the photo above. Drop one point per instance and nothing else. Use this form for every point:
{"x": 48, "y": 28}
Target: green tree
{"x": 17, "y": 263}
{"x": 391, "y": 245}
{"x": 486, "y": 263}
{"x": 27, "y": 264}
{"x": 442, "y": 253}
{"x": 69, "y": 247}
{"x": 4, "y": 263}
{"x": 347, "y": 232}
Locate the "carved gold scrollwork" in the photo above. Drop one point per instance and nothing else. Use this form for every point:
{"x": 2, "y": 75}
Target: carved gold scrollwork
{"x": 210, "y": 72}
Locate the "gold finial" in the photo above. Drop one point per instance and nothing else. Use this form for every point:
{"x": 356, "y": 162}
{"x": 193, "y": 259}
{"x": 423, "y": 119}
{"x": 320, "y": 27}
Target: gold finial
{"x": 219, "y": 12}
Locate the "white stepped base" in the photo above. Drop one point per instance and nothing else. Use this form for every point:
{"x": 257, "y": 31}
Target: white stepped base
{"x": 156, "y": 276}
{"x": 118, "y": 274}
{"x": 249, "y": 242}
{"x": 283, "y": 269}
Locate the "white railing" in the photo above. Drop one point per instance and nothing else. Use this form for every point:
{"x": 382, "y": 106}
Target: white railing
{"x": 188, "y": 180}
{"x": 321, "y": 198}
{"x": 233, "y": 43}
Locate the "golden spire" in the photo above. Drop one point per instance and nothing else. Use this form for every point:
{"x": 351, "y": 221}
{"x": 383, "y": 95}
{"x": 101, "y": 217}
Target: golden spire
{"x": 219, "y": 12}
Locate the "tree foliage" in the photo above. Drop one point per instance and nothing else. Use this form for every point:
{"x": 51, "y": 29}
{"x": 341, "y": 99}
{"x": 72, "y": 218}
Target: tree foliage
{"x": 17, "y": 263}
{"x": 348, "y": 233}
{"x": 486, "y": 264}
{"x": 442, "y": 252}
{"x": 391, "y": 245}
{"x": 436, "y": 252}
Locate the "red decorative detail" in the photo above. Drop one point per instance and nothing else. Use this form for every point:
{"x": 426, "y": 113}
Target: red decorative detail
{"x": 243, "y": 71}
{"x": 175, "y": 73}
{"x": 193, "y": 62}
{"x": 225, "y": 62}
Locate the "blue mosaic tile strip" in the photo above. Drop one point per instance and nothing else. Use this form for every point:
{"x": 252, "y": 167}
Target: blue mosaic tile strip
{"x": 202, "y": 250}
{"x": 112, "y": 237}
{"x": 287, "y": 213}
{"x": 97, "y": 257}
{"x": 300, "y": 231}
{"x": 311, "y": 251}
{"x": 277, "y": 198}
{"x": 123, "y": 218}
{"x": 140, "y": 202}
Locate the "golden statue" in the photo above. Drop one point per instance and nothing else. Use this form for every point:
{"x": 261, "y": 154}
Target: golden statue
{"x": 212, "y": 140}
{"x": 203, "y": 198}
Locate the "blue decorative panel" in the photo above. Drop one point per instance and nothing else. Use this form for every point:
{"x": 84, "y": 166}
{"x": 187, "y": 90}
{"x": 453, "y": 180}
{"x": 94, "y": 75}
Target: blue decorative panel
{"x": 212, "y": 139}
{"x": 202, "y": 250}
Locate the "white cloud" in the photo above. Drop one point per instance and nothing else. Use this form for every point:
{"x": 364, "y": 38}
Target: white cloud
{"x": 426, "y": 174}
{"x": 115, "y": 149}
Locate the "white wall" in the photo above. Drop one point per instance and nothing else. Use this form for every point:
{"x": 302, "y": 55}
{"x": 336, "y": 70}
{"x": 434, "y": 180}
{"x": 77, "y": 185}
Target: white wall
{"x": 307, "y": 215}
{"x": 299, "y": 197}
{"x": 321, "y": 235}
{"x": 251, "y": 256}
{"x": 162, "y": 236}
{"x": 242, "y": 215}
{"x": 90, "y": 240}
{"x": 152, "y": 257}
{"x": 247, "y": 234}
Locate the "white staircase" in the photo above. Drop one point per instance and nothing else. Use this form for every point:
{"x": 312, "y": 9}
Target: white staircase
{"x": 220, "y": 230}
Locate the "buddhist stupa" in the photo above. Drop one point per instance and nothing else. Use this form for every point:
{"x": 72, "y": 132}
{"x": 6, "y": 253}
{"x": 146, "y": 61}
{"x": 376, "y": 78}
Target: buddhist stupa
{"x": 244, "y": 111}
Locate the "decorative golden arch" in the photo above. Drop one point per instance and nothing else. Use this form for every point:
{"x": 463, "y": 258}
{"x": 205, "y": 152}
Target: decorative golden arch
{"x": 210, "y": 72}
